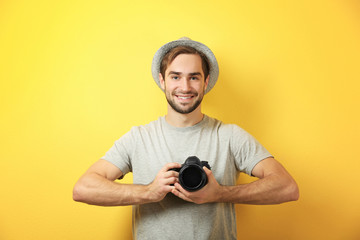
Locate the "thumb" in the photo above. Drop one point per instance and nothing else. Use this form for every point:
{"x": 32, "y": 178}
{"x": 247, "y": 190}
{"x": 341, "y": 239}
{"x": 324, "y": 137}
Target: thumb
{"x": 207, "y": 171}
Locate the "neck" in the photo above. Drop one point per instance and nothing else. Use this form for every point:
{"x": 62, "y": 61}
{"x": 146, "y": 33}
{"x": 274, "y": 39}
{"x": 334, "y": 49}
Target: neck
{"x": 184, "y": 120}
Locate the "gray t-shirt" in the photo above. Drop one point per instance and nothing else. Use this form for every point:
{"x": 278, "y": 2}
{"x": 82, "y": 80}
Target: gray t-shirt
{"x": 144, "y": 150}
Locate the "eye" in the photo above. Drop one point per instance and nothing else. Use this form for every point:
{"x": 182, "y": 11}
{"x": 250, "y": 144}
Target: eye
{"x": 194, "y": 78}
{"x": 175, "y": 77}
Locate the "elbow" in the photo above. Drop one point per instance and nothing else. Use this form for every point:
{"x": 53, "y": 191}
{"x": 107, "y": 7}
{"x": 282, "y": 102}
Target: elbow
{"x": 78, "y": 193}
{"x": 293, "y": 192}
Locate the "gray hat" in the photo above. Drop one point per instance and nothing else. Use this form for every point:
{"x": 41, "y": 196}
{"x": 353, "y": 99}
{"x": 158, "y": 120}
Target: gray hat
{"x": 214, "y": 67}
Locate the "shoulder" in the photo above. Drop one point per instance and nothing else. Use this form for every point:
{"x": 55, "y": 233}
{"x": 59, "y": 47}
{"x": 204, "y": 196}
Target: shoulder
{"x": 228, "y": 129}
{"x": 137, "y": 135}
{"x": 236, "y": 136}
{"x": 153, "y": 126}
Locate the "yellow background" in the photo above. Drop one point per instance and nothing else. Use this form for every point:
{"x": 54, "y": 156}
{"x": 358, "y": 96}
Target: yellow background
{"x": 75, "y": 76}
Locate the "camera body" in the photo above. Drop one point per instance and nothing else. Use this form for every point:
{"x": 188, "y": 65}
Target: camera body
{"x": 192, "y": 176}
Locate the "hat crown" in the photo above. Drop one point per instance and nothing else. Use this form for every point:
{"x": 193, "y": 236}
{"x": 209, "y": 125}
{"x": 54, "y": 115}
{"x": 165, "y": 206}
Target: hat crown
{"x": 185, "y": 38}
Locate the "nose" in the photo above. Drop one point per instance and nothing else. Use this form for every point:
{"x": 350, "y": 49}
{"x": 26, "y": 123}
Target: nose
{"x": 184, "y": 85}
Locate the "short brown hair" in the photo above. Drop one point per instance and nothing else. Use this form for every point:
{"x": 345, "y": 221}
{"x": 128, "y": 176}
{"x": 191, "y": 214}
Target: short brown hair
{"x": 176, "y": 51}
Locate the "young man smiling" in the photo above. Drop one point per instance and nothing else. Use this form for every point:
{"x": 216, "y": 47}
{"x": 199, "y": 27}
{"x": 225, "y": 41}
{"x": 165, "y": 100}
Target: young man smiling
{"x": 162, "y": 209}
{"x": 184, "y": 84}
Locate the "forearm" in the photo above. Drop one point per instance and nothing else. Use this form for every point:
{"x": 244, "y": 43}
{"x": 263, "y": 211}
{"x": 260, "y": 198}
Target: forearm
{"x": 97, "y": 190}
{"x": 269, "y": 190}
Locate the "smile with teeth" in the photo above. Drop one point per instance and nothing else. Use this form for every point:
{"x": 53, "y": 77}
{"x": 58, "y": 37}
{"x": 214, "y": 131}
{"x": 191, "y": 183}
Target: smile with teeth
{"x": 184, "y": 97}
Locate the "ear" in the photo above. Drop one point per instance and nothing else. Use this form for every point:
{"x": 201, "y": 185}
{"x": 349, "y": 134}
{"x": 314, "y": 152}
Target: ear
{"x": 162, "y": 81}
{"x": 207, "y": 81}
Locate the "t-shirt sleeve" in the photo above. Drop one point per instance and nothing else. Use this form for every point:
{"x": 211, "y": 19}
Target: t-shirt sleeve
{"x": 120, "y": 153}
{"x": 247, "y": 150}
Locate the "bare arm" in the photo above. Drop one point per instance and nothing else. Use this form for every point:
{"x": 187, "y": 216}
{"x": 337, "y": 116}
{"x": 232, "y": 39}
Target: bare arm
{"x": 97, "y": 186}
{"x": 275, "y": 185}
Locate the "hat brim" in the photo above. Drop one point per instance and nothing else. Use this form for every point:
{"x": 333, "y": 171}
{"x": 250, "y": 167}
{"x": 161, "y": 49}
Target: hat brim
{"x": 214, "y": 67}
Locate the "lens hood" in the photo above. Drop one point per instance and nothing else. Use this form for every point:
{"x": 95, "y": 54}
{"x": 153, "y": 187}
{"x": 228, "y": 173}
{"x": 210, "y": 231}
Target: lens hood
{"x": 192, "y": 176}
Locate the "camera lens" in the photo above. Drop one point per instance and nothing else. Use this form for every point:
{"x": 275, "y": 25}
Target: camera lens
{"x": 192, "y": 177}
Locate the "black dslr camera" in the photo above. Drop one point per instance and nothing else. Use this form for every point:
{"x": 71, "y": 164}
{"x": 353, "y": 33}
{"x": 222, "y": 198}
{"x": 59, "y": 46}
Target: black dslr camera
{"x": 192, "y": 176}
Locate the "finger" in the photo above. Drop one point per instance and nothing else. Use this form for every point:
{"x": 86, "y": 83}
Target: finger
{"x": 168, "y": 166}
{"x": 181, "y": 189}
{"x": 168, "y": 188}
{"x": 171, "y": 174}
{"x": 180, "y": 195}
{"x": 169, "y": 181}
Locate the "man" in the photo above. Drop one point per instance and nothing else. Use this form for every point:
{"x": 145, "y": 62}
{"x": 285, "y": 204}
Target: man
{"x": 162, "y": 209}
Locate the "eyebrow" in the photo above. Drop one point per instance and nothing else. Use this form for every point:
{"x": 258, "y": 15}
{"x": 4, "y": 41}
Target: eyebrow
{"x": 179, "y": 73}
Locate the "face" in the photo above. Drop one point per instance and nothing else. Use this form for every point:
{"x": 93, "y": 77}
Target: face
{"x": 184, "y": 83}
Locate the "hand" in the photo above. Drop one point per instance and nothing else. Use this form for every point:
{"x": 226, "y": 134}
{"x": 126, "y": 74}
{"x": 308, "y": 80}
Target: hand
{"x": 162, "y": 183}
{"x": 209, "y": 193}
